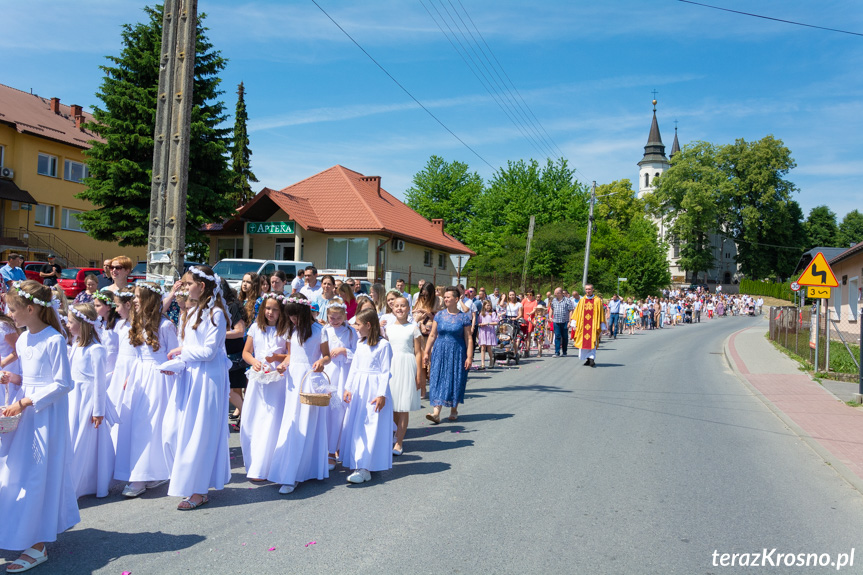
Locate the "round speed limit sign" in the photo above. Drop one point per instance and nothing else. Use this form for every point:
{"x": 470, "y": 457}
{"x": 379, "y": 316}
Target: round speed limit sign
{"x": 795, "y": 286}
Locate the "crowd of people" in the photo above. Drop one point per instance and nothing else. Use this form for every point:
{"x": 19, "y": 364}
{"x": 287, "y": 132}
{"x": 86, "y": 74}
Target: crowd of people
{"x": 133, "y": 383}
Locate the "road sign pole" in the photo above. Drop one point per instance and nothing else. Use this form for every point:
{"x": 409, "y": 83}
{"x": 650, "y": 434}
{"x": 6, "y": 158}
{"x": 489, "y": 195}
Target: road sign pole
{"x": 827, "y": 339}
{"x": 817, "y": 330}
{"x": 860, "y": 363}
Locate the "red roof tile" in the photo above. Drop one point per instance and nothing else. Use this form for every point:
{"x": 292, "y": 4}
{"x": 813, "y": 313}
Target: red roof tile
{"x": 32, "y": 114}
{"x": 339, "y": 200}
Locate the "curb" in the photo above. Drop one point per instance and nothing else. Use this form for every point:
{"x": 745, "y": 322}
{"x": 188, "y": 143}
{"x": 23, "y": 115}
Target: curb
{"x": 840, "y": 468}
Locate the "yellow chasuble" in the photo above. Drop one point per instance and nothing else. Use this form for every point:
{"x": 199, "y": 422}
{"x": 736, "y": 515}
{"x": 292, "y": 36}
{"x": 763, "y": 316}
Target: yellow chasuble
{"x": 589, "y": 315}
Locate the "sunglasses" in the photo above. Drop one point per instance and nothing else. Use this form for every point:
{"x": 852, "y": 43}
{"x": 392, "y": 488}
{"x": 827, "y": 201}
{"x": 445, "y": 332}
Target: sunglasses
{"x": 117, "y": 267}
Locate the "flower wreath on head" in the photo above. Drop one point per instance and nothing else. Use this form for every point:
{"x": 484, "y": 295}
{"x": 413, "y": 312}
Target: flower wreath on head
{"x": 217, "y": 290}
{"x": 129, "y": 294}
{"x": 182, "y": 294}
{"x": 54, "y": 303}
{"x": 82, "y": 317}
{"x": 301, "y": 301}
{"x": 105, "y": 298}
{"x": 337, "y": 305}
{"x": 155, "y": 288}
{"x": 281, "y": 298}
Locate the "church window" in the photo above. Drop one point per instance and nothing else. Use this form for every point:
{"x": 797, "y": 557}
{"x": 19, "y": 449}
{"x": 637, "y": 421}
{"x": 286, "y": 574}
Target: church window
{"x": 646, "y": 180}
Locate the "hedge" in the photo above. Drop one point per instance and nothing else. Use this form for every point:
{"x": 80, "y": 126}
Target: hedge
{"x": 769, "y": 289}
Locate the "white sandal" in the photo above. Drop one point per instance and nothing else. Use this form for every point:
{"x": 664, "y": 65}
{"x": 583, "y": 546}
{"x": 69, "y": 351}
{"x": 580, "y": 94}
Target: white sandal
{"x": 38, "y": 557}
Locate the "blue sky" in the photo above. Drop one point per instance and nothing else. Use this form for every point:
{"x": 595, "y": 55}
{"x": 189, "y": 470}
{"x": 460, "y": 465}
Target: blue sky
{"x": 585, "y": 69}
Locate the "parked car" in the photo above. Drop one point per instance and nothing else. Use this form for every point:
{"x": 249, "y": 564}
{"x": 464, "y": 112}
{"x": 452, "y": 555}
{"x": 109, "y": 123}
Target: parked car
{"x": 233, "y": 270}
{"x": 72, "y": 279}
{"x": 139, "y": 272}
{"x": 31, "y": 270}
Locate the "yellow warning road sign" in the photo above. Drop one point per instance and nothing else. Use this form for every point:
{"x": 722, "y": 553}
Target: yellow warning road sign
{"x": 818, "y": 274}
{"x": 818, "y": 292}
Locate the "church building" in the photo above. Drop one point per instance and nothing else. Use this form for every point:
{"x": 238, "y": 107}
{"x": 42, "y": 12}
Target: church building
{"x": 654, "y": 164}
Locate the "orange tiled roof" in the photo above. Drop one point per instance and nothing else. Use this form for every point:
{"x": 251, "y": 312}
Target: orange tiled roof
{"x": 32, "y": 114}
{"x": 339, "y": 200}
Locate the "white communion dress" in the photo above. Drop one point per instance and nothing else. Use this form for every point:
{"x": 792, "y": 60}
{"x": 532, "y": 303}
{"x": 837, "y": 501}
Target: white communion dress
{"x": 263, "y": 406}
{"x": 343, "y": 336}
{"x": 37, "y": 497}
{"x": 367, "y": 435}
{"x": 92, "y": 464}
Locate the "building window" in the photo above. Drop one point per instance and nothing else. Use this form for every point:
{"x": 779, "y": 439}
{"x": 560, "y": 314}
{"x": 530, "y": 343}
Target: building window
{"x": 646, "y": 180}
{"x": 2, "y": 156}
{"x": 441, "y": 261}
{"x": 853, "y": 294}
{"x": 74, "y": 171}
{"x": 70, "y": 220}
{"x": 348, "y": 253}
{"x": 233, "y": 247}
{"x": 43, "y": 215}
{"x": 428, "y": 261}
{"x": 47, "y": 165}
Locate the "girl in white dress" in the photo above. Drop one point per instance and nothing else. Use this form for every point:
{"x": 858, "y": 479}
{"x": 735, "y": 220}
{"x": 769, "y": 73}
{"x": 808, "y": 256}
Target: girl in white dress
{"x": 103, "y": 302}
{"x": 264, "y": 403}
{"x": 8, "y": 355}
{"x": 195, "y": 428}
{"x": 367, "y": 433}
{"x": 127, "y": 355}
{"x": 342, "y": 339}
{"x": 141, "y": 456}
{"x": 301, "y": 449}
{"x": 37, "y": 497}
{"x": 404, "y": 338}
{"x": 92, "y": 463}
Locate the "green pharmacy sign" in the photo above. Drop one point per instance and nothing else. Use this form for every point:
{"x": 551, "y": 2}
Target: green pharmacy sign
{"x": 270, "y": 227}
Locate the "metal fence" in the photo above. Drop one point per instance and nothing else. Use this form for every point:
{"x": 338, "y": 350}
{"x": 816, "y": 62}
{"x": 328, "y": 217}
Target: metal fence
{"x": 837, "y": 342}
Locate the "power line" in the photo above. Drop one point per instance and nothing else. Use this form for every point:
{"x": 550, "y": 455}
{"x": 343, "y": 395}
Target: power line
{"x": 405, "y": 90}
{"x": 483, "y": 81}
{"x": 771, "y": 18}
{"x": 511, "y": 83}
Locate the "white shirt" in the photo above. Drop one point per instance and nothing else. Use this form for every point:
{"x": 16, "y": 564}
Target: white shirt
{"x": 310, "y": 292}
{"x": 297, "y": 283}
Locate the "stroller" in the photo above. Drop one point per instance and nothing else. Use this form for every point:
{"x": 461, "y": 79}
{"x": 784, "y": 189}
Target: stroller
{"x": 507, "y": 342}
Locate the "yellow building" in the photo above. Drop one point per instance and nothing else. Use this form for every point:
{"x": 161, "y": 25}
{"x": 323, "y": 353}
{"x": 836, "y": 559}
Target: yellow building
{"x": 41, "y": 168}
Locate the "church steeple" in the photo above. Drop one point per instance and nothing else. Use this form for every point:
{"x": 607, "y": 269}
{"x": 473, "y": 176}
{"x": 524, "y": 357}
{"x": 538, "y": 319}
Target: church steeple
{"x": 675, "y": 146}
{"x": 654, "y": 151}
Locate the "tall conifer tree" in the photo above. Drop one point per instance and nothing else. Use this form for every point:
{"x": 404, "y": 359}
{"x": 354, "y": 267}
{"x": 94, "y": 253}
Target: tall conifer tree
{"x": 121, "y": 166}
{"x": 241, "y": 154}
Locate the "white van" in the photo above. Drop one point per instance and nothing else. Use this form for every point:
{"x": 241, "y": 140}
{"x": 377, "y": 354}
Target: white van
{"x": 233, "y": 270}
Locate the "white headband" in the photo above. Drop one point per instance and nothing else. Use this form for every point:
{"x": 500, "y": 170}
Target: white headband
{"x": 82, "y": 317}
{"x": 55, "y": 303}
{"x": 217, "y": 290}
{"x": 155, "y": 288}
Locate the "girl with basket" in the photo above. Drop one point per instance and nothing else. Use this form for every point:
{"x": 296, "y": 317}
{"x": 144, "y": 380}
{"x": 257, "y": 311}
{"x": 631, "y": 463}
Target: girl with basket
{"x": 37, "y": 497}
{"x": 301, "y": 449}
{"x": 195, "y": 430}
{"x": 90, "y": 414}
{"x": 141, "y": 456}
{"x": 367, "y": 433}
{"x": 265, "y": 395}
{"x": 342, "y": 340}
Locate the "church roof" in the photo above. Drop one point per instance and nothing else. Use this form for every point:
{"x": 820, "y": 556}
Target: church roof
{"x": 654, "y": 151}
{"x": 675, "y": 146}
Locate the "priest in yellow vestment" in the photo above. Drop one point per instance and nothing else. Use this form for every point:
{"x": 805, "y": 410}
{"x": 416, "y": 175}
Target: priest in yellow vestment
{"x": 588, "y": 319}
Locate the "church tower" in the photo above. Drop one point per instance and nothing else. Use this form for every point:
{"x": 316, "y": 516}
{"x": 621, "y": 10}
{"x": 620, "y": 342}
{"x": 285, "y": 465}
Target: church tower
{"x": 654, "y": 161}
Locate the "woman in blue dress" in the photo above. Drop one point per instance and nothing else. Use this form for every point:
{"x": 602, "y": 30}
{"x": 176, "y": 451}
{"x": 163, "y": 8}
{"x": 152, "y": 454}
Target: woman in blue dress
{"x": 448, "y": 353}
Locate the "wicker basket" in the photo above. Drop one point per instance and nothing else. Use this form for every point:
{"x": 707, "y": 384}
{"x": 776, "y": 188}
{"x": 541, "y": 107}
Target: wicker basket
{"x": 9, "y": 424}
{"x": 316, "y": 399}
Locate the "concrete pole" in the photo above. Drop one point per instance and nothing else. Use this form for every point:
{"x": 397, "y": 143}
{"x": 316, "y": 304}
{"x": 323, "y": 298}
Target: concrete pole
{"x": 817, "y": 330}
{"x": 172, "y": 135}
{"x": 589, "y": 231}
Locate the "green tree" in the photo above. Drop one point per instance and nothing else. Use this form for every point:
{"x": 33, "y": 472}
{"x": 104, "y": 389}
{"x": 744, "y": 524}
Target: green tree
{"x": 821, "y": 228}
{"x": 446, "y": 190}
{"x": 692, "y": 197}
{"x": 241, "y": 153}
{"x": 755, "y": 208}
{"x": 120, "y": 166}
{"x": 851, "y": 229}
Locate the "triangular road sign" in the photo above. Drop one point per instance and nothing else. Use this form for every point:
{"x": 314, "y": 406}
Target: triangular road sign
{"x": 818, "y": 273}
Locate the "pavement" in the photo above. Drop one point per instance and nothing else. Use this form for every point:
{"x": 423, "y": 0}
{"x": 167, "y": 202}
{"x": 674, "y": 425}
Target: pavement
{"x": 818, "y": 413}
{"x": 650, "y": 463}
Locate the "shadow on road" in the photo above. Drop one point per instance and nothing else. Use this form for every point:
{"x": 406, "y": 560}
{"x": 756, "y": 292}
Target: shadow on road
{"x": 94, "y": 549}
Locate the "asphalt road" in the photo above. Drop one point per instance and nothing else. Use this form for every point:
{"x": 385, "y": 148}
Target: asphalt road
{"x": 647, "y": 463}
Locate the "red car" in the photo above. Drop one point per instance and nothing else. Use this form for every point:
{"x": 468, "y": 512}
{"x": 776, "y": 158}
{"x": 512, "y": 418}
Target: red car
{"x": 72, "y": 280}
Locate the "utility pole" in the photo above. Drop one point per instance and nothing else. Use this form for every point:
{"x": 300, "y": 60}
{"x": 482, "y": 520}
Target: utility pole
{"x": 171, "y": 139}
{"x": 589, "y": 230}
{"x": 527, "y": 252}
